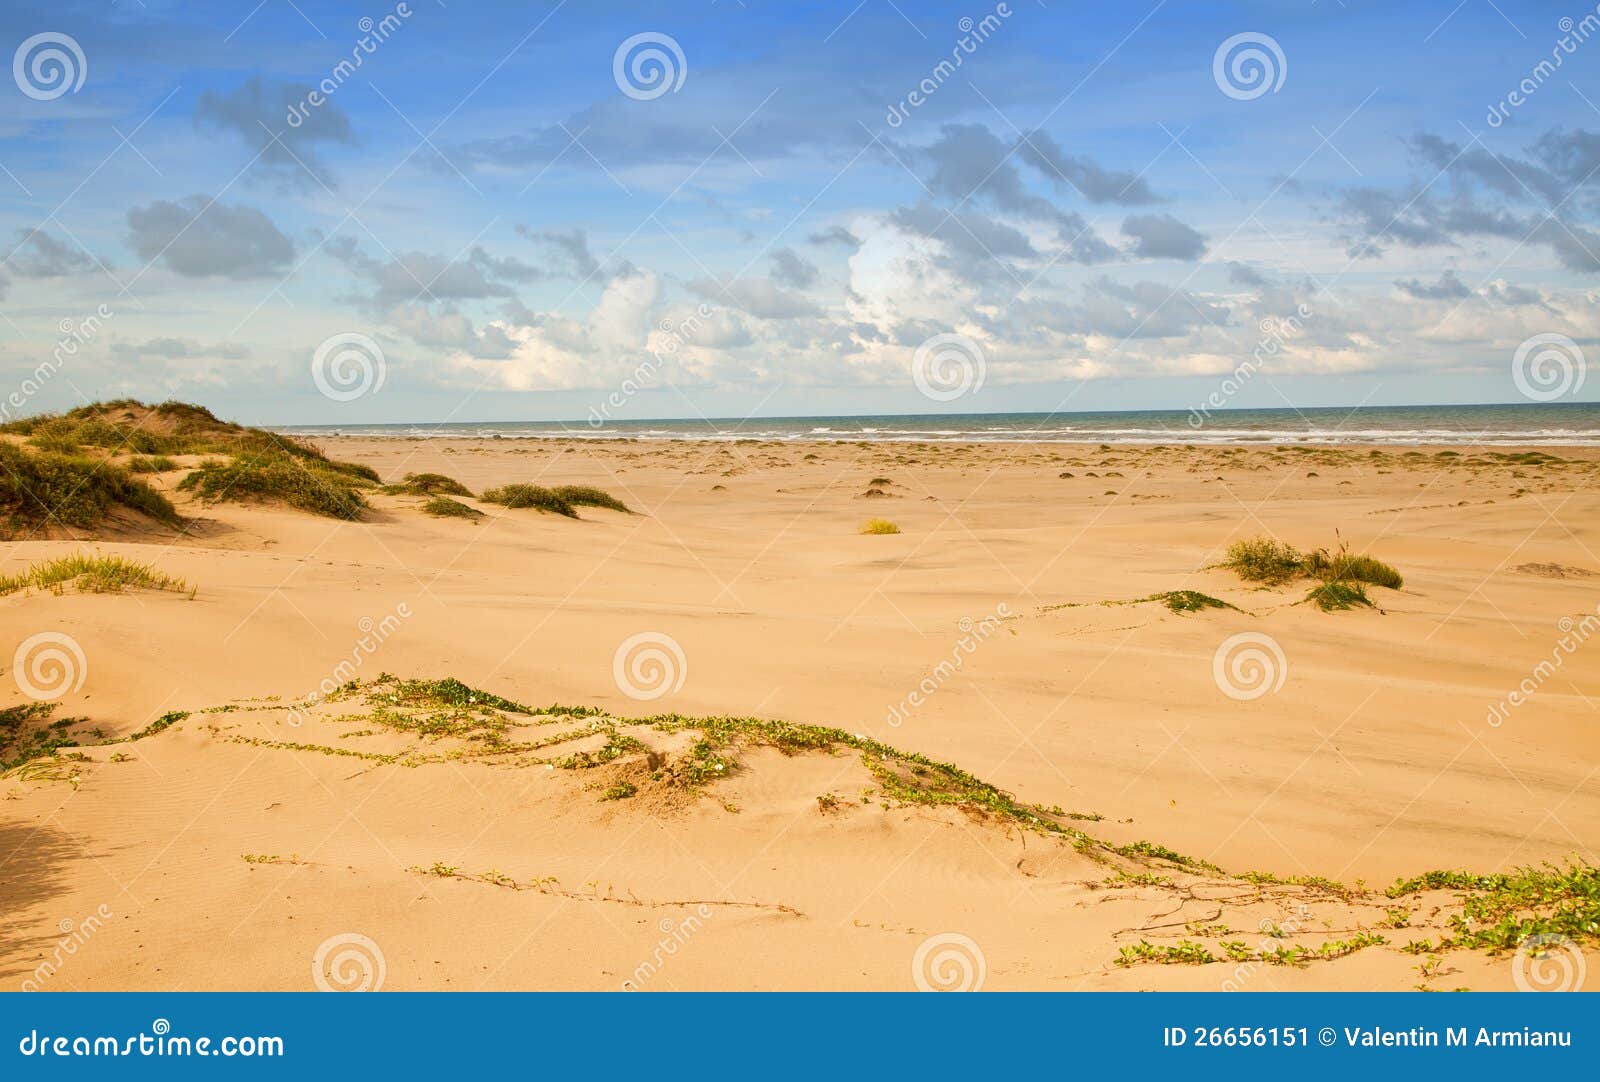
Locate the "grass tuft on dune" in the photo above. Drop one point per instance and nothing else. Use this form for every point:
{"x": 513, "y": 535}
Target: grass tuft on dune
{"x": 1345, "y": 575}
{"x": 91, "y": 574}
{"x": 881, "y": 526}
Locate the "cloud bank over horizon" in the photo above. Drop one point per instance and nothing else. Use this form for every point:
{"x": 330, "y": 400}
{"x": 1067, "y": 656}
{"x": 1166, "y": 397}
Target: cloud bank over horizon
{"x": 776, "y": 211}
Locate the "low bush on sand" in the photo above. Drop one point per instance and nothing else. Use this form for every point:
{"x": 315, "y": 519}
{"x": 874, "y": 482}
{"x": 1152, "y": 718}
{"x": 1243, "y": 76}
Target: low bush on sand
{"x": 1272, "y": 562}
{"x": 305, "y": 485}
{"x": 879, "y": 526}
{"x": 43, "y": 488}
{"x": 151, "y": 464}
{"x": 445, "y": 507}
{"x": 589, "y": 496}
{"x": 535, "y": 496}
{"x": 428, "y": 484}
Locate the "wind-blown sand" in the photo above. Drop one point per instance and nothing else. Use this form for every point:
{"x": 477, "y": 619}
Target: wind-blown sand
{"x": 1375, "y": 758}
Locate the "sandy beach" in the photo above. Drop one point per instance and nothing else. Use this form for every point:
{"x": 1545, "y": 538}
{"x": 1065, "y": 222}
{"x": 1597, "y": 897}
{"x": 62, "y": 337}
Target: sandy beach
{"x": 999, "y": 631}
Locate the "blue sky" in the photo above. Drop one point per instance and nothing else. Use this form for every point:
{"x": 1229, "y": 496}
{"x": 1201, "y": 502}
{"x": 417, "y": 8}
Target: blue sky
{"x": 1081, "y": 210}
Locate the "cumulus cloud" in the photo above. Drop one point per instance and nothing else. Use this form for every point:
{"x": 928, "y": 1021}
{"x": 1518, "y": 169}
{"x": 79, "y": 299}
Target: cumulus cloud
{"x": 790, "y": 270}
{"x": 1448, "y": 287}
{"x": 570, "y": 245}
{"x": 424, "y": 277}
{"x": 1094, "y": 182}
{"x": 39, "y": 255}
{"x": 1541, "y": 200}
{"x": 836, "y": 234}
{"x": 1161, "y": 236}
{"x": 180, "y": 349}
{"x": 257, "y": 111}
{"x": 198, "y": 237}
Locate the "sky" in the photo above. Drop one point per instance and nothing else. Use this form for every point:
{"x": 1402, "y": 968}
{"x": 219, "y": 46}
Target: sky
{"x": 547, "y": 211}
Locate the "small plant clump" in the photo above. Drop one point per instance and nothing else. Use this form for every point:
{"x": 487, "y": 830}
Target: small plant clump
{"x": 535, "y": 496}
{"x": 91, "y": 574}
{"x": 879, "y": 526}
{"x": 151, "y": 464}
{"x": 589, "y": 496}
{"x": 445, "y": 507}
{"x": 1345, "y": 575}
{"x": 427, "y": 484}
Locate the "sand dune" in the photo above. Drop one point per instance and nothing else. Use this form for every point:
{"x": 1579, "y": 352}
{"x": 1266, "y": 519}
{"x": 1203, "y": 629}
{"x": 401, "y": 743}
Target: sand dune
{"x": 1377, "y": 756}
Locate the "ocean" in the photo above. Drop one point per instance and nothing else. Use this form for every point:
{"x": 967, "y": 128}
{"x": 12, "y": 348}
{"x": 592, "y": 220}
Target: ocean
{"x": 1555, "y": 424}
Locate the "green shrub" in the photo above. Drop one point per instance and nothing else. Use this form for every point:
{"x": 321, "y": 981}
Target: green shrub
{"x": 146, "y": 464}
{"x": 306, "y": 485}
{"x": 534, "y": 496}
{"x": 445, "y": 507}
{"x": 879, "y": 526}
{"x": 1263, "y": 559}
{"x": 44, "y": 488}
{"x": 428, "y": 484}
{"x": 589, "y": 496}
{"x": 1337, "y": 596}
